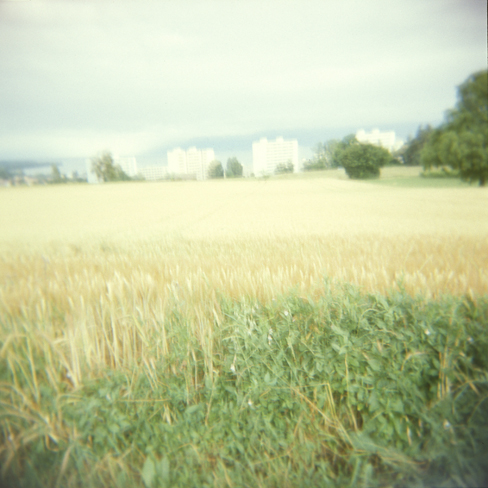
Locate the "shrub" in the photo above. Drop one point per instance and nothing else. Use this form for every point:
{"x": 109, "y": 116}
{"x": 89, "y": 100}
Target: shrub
{"x": 363, "y": 161}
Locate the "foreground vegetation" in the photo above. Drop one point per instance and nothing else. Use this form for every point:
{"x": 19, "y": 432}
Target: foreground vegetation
{"x": 347, "y": 390}
{"x": 148, "y": 340}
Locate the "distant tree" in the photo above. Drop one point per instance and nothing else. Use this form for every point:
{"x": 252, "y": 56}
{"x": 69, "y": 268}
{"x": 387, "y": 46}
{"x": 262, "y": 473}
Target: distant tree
{"x": 323, "y": 157}
{"x": 282, "y": 168}
{"x": 343, "y": 144}
{"x": 329, "y": 150}
{"x": 75, "y": 177}
{"x": 410, "y": 152}
{"x": 361, "y": 161}
{"x": 461, "y": 143}
{"x": 215, "y": 170}
{"x": 346, "y": 141}
{"x": 105, "y": 170}
{"x": 4, "y": 173}
{"x": 56, "y": 175}
{"x": 234, "y": 168}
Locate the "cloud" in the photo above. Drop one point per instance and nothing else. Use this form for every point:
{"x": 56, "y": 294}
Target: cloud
{"x": 144, "y": 74}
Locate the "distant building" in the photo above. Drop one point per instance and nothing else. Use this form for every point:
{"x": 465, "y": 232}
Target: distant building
{"x": 191, "y": 162}
{"x": 154, "y": 172}
{"x": 177, "y": 161}
{"x": 267, "y": 155}
{"x": 385, "y": 139}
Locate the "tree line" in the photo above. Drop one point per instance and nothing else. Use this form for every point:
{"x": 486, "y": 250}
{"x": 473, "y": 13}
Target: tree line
{"x": 106, "y": 170}
{"x": 234, "y": 169}
{"x": 458, "y": 146}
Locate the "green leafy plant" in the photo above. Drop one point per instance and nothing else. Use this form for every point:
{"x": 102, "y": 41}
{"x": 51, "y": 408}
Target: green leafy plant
{"x": 363, "y": 161}
{"x": 343, "y": 389}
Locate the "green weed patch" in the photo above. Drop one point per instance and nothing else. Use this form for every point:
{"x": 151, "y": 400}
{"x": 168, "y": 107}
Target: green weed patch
{"x": 349, "y": 390}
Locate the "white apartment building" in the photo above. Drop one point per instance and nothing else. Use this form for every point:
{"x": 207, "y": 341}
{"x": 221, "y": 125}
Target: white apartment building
{"x": 385, "y": 139}
{"x": 191, "y": 162}
{"x": 153, "y": 172}
{"x": 266, "y": 155}
{"x": 177, "y": 161}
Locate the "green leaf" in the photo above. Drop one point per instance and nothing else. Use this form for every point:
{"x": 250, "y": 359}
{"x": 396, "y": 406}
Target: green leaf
{"x": 148, "y": 472}
{"x": 397, "y": 406}
{"x": 191, "y": 409}
{"x": 164, "y": 470}
{"x": 374, "y": 364}
{"x": 336, "y": 347}
{"x": 340, "y": 331}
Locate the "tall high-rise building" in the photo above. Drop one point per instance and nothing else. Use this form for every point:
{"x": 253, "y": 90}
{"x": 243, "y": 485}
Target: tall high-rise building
{"x": 177, "y": 161}
{"x": 191, "y": 162}
{"x": 385, "y": 139}
{"x": 267, "y": 155}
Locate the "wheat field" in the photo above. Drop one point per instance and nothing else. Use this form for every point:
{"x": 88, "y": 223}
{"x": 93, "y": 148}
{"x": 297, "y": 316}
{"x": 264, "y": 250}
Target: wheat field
{"x": 136, "y": 278}
{"x": 79, "y": 259}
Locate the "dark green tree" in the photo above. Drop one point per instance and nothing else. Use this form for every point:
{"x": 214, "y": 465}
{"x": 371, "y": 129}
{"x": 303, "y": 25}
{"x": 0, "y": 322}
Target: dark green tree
{"x": 215, "y": 170}
{"x": 347, "y": 141}
{"x": 105, "y": 170}
{"x": 361, "y": 161}
{"x": 282, "y": 168}
{"x": 461, "y": 142}
{"x": 411, "y": 150}
{"x": 341, "y": 145}
{"x": 234, "y": 168}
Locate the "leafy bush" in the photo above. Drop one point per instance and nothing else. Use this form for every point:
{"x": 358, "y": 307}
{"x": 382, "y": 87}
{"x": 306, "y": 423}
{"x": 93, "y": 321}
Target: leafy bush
{"x": 363, "y": 161}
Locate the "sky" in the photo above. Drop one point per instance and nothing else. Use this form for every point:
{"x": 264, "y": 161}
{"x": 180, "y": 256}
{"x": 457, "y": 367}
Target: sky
{"x": 139, "y": 78}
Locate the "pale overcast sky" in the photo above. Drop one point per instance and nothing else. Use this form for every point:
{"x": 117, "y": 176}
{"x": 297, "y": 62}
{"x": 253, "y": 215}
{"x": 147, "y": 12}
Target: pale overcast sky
{"x": 141, "y": 77}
